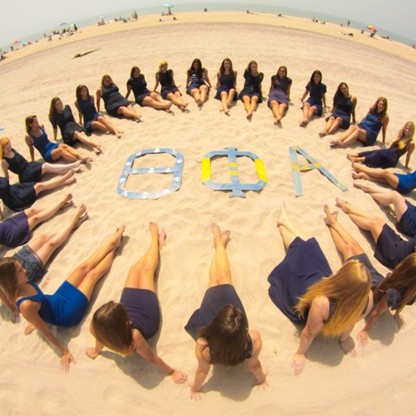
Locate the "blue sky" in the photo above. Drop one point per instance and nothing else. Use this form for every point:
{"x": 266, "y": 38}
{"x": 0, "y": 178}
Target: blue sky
{"x": 22, "y": 18}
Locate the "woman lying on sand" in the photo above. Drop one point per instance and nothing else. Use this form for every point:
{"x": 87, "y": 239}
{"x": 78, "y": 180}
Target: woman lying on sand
{"x": 369, "y": 127}
{"x": 125, "y": 327}
{"x": 71, "y": 131}
{"x": 316, "y": 102}
{"x": 29, "y": 171}
{"x": 388, "y": 158}
{"x": 89, "y": 115}
{"x": 68, "y": 305}
{"x": 37, "y": 138}
{"x": 343, "y": 108}
{"x": 304, "y": 288}
{"x": 220, "y": 326}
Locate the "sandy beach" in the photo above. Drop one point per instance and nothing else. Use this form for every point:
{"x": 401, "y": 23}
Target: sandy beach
{"x": 379, "y": 381}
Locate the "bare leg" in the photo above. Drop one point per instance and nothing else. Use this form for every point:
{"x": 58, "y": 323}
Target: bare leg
{"x": 68, "y": 153}
{"x": 195, "y": 93}
{"x": 224, "y": 103}
{"x": 220, "y": 271}
{"x": 54, "y": 183}
{"x": 110, "y": 126}
{"x": 343, "y": 240}
{"x": 86, "y": 276}
{"x": 177, "y": 99}
{"x": 204, "y": 93}
{"x": 40, "y": 213}
{"x": 142, "y": 274}
{"x": 378, "y": 175}
{"x": 305, "y": 111}
{"x": 274, "y": 105}
{"x": 149, "y": 101}
{"x": 335, "y": 125}
{"x": 385, "y": 198}
{"x": 83, "y": 138}
{"x": 98, "y": 125}
{"x": 254, "y": 101}
{"x": 247, "y": 105}
{"x": 231, "y": 95}
{"x": 287, "y": 230}
{"x": 362, "y": 219}
{"x": 60, "y": 168}
{"x": 46, "y": 244}
{"x": 354, "y": 158}
{"x": 130, "y": 112}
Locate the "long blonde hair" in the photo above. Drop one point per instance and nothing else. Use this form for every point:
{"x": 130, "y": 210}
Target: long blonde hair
{"x": 4, "y": 141}
{"x": 403, "y": 280}
{"x": 402, "y": 141}
{"x": 349, "y": 288}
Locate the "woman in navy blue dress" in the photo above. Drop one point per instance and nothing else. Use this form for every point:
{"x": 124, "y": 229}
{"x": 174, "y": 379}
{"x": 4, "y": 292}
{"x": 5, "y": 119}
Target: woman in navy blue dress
{"x": 343, "y": 109}
{"x": 142, "y": 95}
{"x": 316, "y": 102}
{"x": 367, "y": 130}
{"x": 226, "y": 85}
{"x": 169, "y": 90}
{"x": 388, "y": 158}
{"x": 306, "y": 291}
{"x": 89, "y": 115}
{"x": 279, "y": 94}
{"x": 197, "y": 82}
{"x": 61, "y": 116}
{"x": 126, "y": 327}
{"x": 251, "y": 95}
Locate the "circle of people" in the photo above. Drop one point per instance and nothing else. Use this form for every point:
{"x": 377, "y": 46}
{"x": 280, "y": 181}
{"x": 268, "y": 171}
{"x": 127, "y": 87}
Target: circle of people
{"x": 302, "y": 286}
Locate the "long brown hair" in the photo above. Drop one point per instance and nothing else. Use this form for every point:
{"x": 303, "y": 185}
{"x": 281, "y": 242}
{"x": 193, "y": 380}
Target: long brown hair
{"x": 78, "y": 92}
{"x": 349, "y": 288}
{"x": 52, "y": 110}
{"x": 373, "y": 108}
{"x": 8, "y": 278}
{"x": 227, "y": 336}
{"x": 28, "y": 122}
{"x": 403, "y": 279}
{"x": 111, "y": 327}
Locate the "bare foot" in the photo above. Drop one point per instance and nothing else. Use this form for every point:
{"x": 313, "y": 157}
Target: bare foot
{"x": 118, "y": 235}
{"x": 249, "y": 116}
{"x": 322, "y": 133}
{"x": 80, "y": 216}
{"x": 282, "y": 218}
{"x": 335, "y": 143}
{"x": 66, "y": 202}
{"x": 303, "y": 123}
{"x": 365, "y": 187}
{"x": 162, "y": 238}
{"x": 86, "y": 159}
{"x": 154, "y": 229}
{"x": 216, "y": 231}
{"x": 76, "y": 166}
{"x": 225, "y": 237}
{"x": 348, "y": 346}
{"x": 343, "y": 204}
{"x": 97, "y": 149}
{"x": 331, "y": 217}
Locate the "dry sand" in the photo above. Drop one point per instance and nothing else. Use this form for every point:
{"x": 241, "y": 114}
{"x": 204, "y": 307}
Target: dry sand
{"x": 380, "y": 380}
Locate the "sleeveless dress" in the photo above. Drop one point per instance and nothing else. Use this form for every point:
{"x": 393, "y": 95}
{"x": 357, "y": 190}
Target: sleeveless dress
{"x": 43, "y": 145}
{"x": 67, "y": 125}
{"x": 383, "y": 158}
{"x": 139, "y": 87}
{"x": 89, "y": 113}
{"x": 142, "y": 307}
{"x": 279, "y": 90}
{"x": 27, "y": 171}
{"x": 316, "y": 92}
{"x": 195, "y": 82}
{"x": 14, "y": 231}
{"x": 252, "y": 86}
{"x": 372, "y": 124}
{"x": 343, "y": 110}
{"x": 66, "y": 307}
{"x": 113, "y": 100}
{"x": 214, "y": 300}
{"x": 227, "y": 82}
{"x": 17, "y": 197}
{"x": 166, "y": 82}
{"x": 407, "y": 182}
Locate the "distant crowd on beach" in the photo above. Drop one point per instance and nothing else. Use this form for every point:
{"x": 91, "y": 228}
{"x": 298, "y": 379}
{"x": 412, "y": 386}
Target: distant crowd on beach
{"x": 302, "y": 286}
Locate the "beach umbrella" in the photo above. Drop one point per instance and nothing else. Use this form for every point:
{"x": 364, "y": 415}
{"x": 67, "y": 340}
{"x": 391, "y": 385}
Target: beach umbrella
{"x": 168, "y": 5}
{"x": 372, "y": 27}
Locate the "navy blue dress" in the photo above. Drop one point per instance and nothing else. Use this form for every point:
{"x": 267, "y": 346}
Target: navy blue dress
{"x": 343, "y": 110}
{"x": 67, "y": 124}
{"x": 167, "y": 84}
{"x": 89, "y": 113}
{"x": 279, "y": 90}
{"x": 17, "y": 197}
{"x": 407, "y": 182}
{"x": 113, "y": 100}
{"x": 14, "y": 231}
{"x": 252, "y": 86}
{"x": 372, "y": 124}
{"x": 227, "y": 81}
{"x": 139, "y": 87}
{"x": 27, "y": 171}
{"x": 382, "y": 158}
{"x": 316, "y": 92}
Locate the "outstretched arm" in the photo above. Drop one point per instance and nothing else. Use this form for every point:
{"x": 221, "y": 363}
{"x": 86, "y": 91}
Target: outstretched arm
{"x": 304, "y": 95}
{"x": 201, "y": 371}
{"x": 142, "y": 348}
{"x": 5, "y": 168}
{"x": 98, "y": 99}
{"x": 410, "y": 150}
{"x": 253, "y": 363}
{"x": 384, "y": 127}
{"x": 207, "y": 79}
{"x": 29, "y": 143}
{"x": 157, "y": 81}
{"x": 354, "y": 105}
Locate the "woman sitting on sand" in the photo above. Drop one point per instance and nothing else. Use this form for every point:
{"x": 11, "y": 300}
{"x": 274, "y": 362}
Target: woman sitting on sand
{"x": 28, "y": 171}
{"x": 220, "y": 326}
{"x": 390, "y": 248}
{"x": 316, "y": 102}
{"x": 16, "y": 230}
{"x": 34, "y": 256}
{"x": 169, "y": 90}
{"x": 88, "y": 114}
{"x": 279, "y": 94}
{"x": 368, "y": 129}
{"x": 21, "y": 196}
{"x": 395, "y": 291}
{"x": 226, "y": 85}
{"x": 125, "y": 327}
{"x": 388, "y": 158}
{"x": 68, "y": 305}
{"x": 304, "y": 288}
{"x": 71, "y": 131}
{"x": 197, "y": 82}
{"x": 403, "y": 183}
{"x": 342, "y": 109}
{"x": 251, "y": 95}
{"x": 115, "y": 104}
{"x": 37, "y": 137}
{"x": 404, "y": 211}
{"x": 142, "y": 95}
